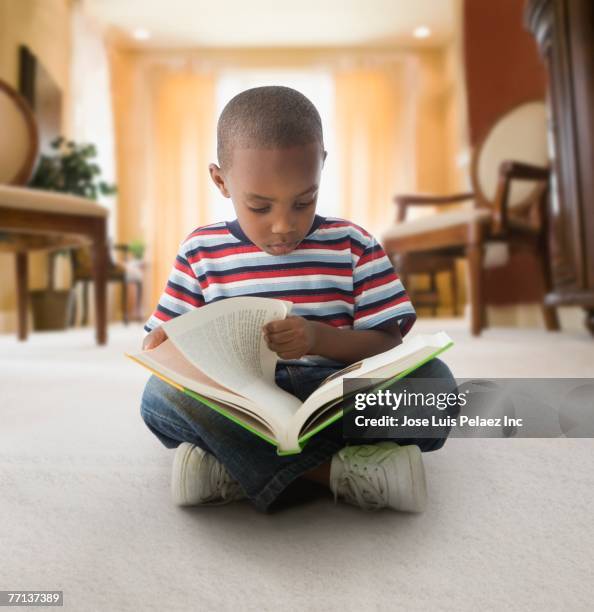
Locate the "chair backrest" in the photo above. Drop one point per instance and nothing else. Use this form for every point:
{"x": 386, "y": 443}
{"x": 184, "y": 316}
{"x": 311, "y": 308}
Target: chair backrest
{"x": 519, "y": 135}
{"x": 19, "y": 138}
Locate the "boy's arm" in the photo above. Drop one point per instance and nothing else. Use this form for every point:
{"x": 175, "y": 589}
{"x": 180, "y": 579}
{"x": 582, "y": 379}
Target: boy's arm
{"x": 293, "y": 337}
{"x": 350, "y": 345}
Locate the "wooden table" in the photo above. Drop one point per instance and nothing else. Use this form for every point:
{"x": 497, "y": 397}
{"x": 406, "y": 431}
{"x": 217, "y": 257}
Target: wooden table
{"x": 35, "y": 220}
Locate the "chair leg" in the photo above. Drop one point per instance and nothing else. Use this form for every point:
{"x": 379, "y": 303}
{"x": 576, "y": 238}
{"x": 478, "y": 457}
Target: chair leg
{"x": 551, "y": 318}
{"x": 138, "y": 309}
{"x": 475, "y": 265}
{"x": 73, "y": 312}
{"x": 433, "y": 289}
{"x": 589, "y": 320}
{"x": 100, "y": 258}
{"x": 85, "y": 307}
{"x": 22, "y": 277}
{"x": 125, "y": 302}
{"x": 484, "y": 322}
{"x": 454, "y": 288}
{"x": 550, "y": 315}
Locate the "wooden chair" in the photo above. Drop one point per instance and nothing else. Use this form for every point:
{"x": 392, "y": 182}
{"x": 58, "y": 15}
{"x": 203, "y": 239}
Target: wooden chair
{"x": 123, "y": 273}
{"x": 510, "y": 179}
{"x": 33, "y": 219}
{"x": 409, "y": 265}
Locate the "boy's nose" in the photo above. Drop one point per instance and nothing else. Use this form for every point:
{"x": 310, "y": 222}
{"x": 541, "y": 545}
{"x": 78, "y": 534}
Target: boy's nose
{"x": 282, "y": 226}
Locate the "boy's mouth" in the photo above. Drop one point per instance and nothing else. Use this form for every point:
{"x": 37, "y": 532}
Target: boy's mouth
{"x": 281, "y": 248}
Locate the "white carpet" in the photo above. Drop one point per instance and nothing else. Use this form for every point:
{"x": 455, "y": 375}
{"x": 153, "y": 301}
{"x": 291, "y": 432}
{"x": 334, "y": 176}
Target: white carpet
{"x": 85, "y": 501}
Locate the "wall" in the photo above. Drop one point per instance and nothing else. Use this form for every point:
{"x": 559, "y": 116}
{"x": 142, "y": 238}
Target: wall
{"x": 452, "y": 163}
{"x": 503, "y": 69}
{"x": 44, "y": 26}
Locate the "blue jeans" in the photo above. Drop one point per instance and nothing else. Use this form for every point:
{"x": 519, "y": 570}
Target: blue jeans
{"x": 174, "y": 417}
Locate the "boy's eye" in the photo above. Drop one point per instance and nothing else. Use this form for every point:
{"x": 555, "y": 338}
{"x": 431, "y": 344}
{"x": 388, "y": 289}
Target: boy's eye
{"x": 299, "y": 205}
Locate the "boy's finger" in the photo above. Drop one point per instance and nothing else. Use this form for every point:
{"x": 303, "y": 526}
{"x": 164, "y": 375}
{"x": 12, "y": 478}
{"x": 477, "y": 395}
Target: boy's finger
{"x": 281, "y": 337}
{"x": 276, "y": 326}
{"x": 154, "y": 338}
{"x": 281, "y": 346}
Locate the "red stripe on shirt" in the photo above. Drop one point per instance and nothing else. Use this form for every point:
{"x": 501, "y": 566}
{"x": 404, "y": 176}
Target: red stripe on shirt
{"x": 184, "y": 297}
{"x": 289, "y": 273}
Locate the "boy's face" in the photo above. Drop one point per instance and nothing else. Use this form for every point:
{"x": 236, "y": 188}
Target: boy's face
{"x": 274, "y": 192}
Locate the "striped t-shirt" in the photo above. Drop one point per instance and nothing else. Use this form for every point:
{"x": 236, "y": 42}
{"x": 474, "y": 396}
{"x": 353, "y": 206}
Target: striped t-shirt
{"x": 339, "y": 274}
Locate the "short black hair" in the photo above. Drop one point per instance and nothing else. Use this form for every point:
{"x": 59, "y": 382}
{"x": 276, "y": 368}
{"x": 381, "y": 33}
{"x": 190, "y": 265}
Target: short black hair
{"x": 268, "y": 117}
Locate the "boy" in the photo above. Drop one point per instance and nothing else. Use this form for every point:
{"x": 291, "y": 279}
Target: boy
{"x": 348, "y": 304}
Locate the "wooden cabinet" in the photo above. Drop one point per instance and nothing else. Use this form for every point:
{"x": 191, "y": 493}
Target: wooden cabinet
{"x": 564, "y": 30}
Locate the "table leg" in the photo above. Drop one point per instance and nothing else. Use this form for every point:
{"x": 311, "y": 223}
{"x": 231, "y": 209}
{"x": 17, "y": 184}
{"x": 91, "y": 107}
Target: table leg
{"x": 475, "y": 264}
{"x": 100, "y": 281}
{"x": 22, "y": 282}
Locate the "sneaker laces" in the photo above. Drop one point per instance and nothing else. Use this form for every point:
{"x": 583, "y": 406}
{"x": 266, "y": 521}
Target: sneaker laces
{"x": 368, "y": 487}
{"x": 221, "y": 484}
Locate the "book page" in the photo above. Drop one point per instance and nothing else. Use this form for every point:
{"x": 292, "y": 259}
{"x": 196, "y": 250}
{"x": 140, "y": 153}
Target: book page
{"x": 224, "y": 340}
{"x": 167, "y": 357}
{"x": 273, "y": 408}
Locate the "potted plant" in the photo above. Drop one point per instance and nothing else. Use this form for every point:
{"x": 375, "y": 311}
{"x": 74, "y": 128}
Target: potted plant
{"x": 71, "y": 169}
{"x": 137, "y": 248}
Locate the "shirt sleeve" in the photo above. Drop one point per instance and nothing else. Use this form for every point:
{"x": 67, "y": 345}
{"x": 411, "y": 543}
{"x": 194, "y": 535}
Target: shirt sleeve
{"x": 182, "y": 293}
{"x": 379, "y": 293}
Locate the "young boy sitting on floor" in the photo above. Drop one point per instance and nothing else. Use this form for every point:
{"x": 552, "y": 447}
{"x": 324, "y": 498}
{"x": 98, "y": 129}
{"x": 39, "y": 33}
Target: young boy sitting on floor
{"x": 348, "y": 304}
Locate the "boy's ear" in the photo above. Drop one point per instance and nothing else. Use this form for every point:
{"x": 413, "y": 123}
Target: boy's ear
{"x": 218, "y": 179}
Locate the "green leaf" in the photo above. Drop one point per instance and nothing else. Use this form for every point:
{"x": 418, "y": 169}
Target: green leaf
{"x": 69, "y": 170}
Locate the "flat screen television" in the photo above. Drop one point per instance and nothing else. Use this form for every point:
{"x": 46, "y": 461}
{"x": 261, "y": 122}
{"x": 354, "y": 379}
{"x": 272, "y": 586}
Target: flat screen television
{"x": 38, "y": 87}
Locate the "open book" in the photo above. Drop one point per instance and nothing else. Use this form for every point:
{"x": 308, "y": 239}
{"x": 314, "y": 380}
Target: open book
{"x": 218, "y": 355}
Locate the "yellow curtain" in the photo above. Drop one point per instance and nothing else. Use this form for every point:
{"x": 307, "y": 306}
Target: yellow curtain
{"x": 165, "y": 122}
{"x": 182, "y": 122}
{"x": 390, "y": 123}
{"x": 376, "y": 141}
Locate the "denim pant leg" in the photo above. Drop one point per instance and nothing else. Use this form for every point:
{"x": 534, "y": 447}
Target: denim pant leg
{"x": 174, "y": 417}
{"x": 444, "y": 381}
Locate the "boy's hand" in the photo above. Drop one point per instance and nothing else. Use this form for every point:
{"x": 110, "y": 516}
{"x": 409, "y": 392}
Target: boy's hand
{"x": 291, "y": 338}
{"x": 154, "y": 338}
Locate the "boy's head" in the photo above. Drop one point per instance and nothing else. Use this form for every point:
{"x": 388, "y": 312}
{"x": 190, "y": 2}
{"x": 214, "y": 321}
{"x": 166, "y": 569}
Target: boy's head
{"x": 271, "y": 153}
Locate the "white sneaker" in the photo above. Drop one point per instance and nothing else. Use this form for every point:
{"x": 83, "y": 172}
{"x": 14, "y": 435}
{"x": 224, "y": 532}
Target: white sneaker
{"x": 198, "y": 478}
{"x": 382, "y": 475}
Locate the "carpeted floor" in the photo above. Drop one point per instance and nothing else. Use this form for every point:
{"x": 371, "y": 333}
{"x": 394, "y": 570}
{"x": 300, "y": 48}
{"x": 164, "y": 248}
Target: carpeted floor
{"x": 85, "y": 502}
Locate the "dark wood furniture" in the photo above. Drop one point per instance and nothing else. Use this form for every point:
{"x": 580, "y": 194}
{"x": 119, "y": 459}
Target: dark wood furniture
{"x": 564, "y": 30}
{"x": 500, "y": 212}
{"x": 468, "y": 239}
{"x": 82, "y": 272}
{"x": 424, "y": 264}
{"x": 32, "y": 219}
{"x": 419, "y": 264}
